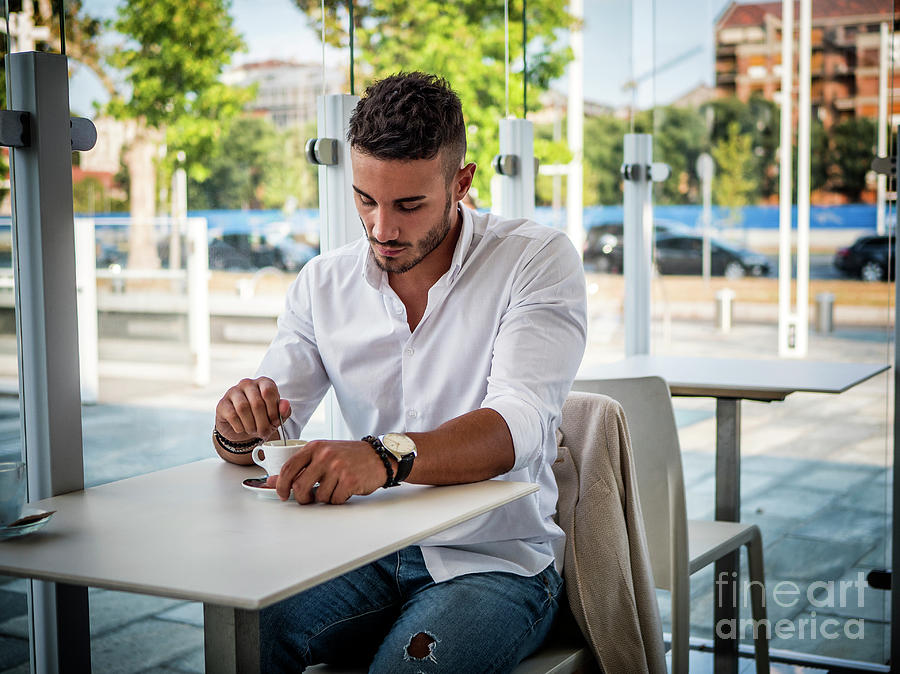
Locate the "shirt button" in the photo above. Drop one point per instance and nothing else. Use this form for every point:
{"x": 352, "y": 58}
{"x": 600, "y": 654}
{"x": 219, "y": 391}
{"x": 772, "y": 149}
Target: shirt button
{"x": 410, "y": 351}
{"x": 412, "y": 414}
{"x": 398, "y": 307}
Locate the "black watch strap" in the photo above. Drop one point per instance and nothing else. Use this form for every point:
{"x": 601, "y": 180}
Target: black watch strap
{"x": 404, "y": 467}
{"x": 383, "y": 453}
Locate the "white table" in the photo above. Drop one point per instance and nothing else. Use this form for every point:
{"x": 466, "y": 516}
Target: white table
{"x": 193, "y": 532}
{"x": 729, "y": 381}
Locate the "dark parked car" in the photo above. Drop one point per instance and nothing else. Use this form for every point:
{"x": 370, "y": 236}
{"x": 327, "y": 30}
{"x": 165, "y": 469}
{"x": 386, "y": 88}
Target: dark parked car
{"x": 603, "y": 244}
{"x": 683, "y": 254}
{"x": 870, "y": 258}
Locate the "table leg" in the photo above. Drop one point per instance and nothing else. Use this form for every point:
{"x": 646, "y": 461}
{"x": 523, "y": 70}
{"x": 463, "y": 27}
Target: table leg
{"x": 230, "y": 640}
{"x": 728, "y": 508}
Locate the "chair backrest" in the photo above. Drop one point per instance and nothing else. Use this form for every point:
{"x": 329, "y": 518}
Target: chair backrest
{"x": 657, "y": 460}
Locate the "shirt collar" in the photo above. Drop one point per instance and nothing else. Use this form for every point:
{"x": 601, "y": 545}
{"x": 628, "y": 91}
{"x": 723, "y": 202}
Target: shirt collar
{"x": 377, "y": 277}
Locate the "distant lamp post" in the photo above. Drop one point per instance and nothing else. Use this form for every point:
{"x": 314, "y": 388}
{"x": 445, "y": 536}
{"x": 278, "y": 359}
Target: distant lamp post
{"x": 706, "y": 169}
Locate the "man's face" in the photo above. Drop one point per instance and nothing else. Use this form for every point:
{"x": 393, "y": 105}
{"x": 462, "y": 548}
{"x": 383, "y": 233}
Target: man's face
{"x": 405, "y": 208}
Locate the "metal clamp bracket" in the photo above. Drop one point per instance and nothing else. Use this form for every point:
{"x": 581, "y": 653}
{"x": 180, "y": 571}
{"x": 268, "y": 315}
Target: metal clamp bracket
{"x": 84, "y": 134}
{"x": 15, "y": 131}
{"x": 656, "y": 172}
{"x": 508, "y": 164}
{"x": 886, "y": 166}
{"x": 15, "y": 128}
{"x": 322, "y": 151}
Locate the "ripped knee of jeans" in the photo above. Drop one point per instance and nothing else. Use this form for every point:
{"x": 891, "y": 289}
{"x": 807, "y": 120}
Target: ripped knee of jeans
{"x": 421, "y": 647}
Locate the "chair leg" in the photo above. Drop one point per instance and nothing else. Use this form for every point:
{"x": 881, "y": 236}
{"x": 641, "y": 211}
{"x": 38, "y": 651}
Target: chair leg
{"x": 681, "y": 626}
{"x": 761, "y": 626}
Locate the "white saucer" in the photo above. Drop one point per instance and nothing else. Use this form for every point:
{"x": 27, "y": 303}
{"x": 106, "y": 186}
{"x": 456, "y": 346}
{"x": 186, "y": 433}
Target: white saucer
{"x": 262, "y": 492}
{"x": 23, "y": 529}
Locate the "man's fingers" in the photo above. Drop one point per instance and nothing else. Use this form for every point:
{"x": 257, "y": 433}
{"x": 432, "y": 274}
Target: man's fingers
{"x": 226, "y": 413}
{"x": 292, "y": 469}
{"x": 325, "y": 490}
{"x": 268, "y": 391}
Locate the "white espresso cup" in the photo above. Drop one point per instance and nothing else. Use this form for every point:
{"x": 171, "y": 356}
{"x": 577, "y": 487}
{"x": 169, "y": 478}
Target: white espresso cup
{"x": 272, "y": 455}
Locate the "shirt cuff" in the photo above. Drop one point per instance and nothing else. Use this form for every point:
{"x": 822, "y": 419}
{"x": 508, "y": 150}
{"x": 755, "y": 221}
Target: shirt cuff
{"x": 525, "y": 427}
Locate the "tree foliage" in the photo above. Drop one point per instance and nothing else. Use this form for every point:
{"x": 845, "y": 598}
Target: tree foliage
{"x": 852, "y": 144}
{"x": 735, "y": 181}
{"x": 257, "y": 166}
{"x": 172, "y": 63}
{"x": 461, "y": 40}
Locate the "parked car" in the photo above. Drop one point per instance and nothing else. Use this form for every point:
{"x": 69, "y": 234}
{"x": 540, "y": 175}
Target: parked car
{"x": 683, "y": 254}
{"x": 603, "y": 244}
{"x": 869, "y": 258}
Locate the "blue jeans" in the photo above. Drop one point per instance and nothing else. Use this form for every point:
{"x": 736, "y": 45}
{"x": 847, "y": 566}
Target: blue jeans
{"x": 392, "y": 617}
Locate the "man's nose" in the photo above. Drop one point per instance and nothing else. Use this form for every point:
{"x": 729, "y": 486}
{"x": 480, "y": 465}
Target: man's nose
{"x": 382, "y": 228}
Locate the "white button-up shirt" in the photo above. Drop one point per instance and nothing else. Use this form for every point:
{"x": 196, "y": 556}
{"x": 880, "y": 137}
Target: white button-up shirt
{"x": 504, "y": 328}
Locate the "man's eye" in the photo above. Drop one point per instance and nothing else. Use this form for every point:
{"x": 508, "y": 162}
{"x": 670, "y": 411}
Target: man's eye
{"x": 366, "y": 202}
{"x": 408, "y": 209}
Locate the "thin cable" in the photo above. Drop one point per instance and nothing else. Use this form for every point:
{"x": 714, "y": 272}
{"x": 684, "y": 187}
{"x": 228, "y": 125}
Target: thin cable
{"x": 524, "y": 60}
{"x": 352, "y": 58}
{"x": 62, "y": 26}
{"x": 506, "y": 53}
{"x": 323, "y": 47}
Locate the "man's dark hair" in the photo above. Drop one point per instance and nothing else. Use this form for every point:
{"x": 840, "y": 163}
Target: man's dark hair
{"x": 410, "y": 116}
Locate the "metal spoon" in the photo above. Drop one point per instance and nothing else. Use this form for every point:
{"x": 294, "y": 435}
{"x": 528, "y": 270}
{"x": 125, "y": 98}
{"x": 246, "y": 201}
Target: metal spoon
{"x": 281, "y": 429}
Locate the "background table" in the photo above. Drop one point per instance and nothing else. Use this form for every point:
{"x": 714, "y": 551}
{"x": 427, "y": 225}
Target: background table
{"x": 193, "y": 532}
{"x": 729, "y": 381}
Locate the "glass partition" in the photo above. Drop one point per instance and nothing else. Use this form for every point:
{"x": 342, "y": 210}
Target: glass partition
{"x": 816, "y": 467}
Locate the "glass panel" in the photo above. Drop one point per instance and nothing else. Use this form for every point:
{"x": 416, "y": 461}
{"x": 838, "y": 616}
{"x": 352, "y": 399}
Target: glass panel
{"x": 815, "y": 468}
{"x": 201, "y": 147}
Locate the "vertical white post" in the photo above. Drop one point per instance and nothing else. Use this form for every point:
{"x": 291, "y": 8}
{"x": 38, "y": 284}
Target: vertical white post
{"x": 575, "y": 133}
{"x": 86, "y": 287}
{"x": 803, "y": 143}
{"x": 49, "y": 390}
{"x": 198, "y": 299}
{"x": 884, "y": 65}
{"x": 338, "y": 220}
{"x": 179, "y": 216}
{"x": 786, "y": 321}
{"x": 638, "y": 247}
{"x": 517, "y": 190}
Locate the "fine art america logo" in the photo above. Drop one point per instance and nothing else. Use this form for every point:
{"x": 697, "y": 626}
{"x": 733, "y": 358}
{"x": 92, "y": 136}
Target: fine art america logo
{"x": 787, "y": 594}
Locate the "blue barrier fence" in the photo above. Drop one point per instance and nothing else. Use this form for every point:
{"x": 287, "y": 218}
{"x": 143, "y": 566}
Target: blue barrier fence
{"x": 306, "y": 221}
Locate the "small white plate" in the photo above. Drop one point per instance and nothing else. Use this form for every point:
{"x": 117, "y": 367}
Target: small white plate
{"x": 255, "y": 484}
{"x": 24, "y": 529}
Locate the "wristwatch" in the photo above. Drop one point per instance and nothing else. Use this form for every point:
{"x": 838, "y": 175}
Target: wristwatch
{"x": 402, "y": 448}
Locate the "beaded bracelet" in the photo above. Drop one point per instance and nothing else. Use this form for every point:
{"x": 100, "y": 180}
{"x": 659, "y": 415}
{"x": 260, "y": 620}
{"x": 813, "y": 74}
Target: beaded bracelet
{"x": 383, "y": 453}
{"x": 235, "y": 447}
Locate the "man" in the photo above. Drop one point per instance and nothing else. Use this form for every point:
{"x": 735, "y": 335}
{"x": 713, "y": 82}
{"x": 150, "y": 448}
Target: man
{"x": 451, "y": 340}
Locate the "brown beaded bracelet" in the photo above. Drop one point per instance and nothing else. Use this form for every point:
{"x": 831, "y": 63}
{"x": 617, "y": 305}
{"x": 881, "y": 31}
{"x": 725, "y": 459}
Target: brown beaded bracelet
{"x": 383, "y": 453}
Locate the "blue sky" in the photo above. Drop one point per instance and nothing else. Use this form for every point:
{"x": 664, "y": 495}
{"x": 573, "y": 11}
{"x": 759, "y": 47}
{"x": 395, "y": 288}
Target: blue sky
{"x": 621, "y": 42}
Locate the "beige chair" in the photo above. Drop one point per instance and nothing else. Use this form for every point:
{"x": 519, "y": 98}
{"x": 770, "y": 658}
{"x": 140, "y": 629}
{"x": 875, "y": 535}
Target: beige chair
{"x": 678, "y": 547}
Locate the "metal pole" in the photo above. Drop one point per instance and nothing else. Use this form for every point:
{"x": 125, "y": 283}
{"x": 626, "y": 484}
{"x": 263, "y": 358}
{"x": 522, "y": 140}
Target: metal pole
{"x": 49, "y": 387}
{"x": 517, "y": 190}
{"x": 86, "y": 286}
{"x": 884, "y": 55}
{"x": 803, "y": 143}
{"x": 895, "y": 520}
{"x": 638, "y": 235}
{"x": 338, "y": 219}
{"x": 575, "y": 133}
{"x": 198, "y": 299}
{"x": 786, "y": 324}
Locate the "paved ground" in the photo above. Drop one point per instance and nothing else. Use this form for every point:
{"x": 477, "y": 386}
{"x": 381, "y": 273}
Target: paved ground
{"x": 815, "y": 468}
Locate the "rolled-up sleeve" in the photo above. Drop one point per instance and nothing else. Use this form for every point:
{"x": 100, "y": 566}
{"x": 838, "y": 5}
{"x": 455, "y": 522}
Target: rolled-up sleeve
{"x": 539, "y": 346}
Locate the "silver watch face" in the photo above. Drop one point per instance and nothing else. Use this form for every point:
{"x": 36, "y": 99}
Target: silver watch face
{"x": 398, "y": 444}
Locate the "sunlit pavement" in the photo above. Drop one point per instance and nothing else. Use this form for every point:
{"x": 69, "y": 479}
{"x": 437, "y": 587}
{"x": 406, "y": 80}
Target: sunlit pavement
{"x": 815, "y": 479}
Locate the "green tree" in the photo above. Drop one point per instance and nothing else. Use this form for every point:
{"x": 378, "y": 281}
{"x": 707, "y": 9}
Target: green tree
{"x": 852, "y": 145}
{"x": 679, "y": 136}
{"x": 604, "y": 142}
{"x": 461, "y": 40}
{"x": 735, "y": 182}
{"x": 172, "y": 59}
{"x": 254, "y": 165}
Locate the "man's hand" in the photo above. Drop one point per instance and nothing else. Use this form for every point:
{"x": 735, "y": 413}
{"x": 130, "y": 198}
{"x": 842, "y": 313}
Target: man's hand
{"x": 250, "y": 409}
{"x": 342, "y": 469}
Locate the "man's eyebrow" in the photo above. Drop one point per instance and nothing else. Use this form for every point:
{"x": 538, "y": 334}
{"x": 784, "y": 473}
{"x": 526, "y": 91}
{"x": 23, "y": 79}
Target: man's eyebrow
{"x": 401, "y": 200}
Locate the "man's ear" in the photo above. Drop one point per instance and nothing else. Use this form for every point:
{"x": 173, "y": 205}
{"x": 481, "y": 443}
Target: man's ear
{"x": 463, "y": 181}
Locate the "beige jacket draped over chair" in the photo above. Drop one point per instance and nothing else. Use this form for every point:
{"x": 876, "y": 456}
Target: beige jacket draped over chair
{"x": 609, "y": 582}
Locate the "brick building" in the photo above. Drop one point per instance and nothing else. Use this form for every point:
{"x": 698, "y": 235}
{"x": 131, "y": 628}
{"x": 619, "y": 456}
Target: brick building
{"x": 844, "y": 69}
